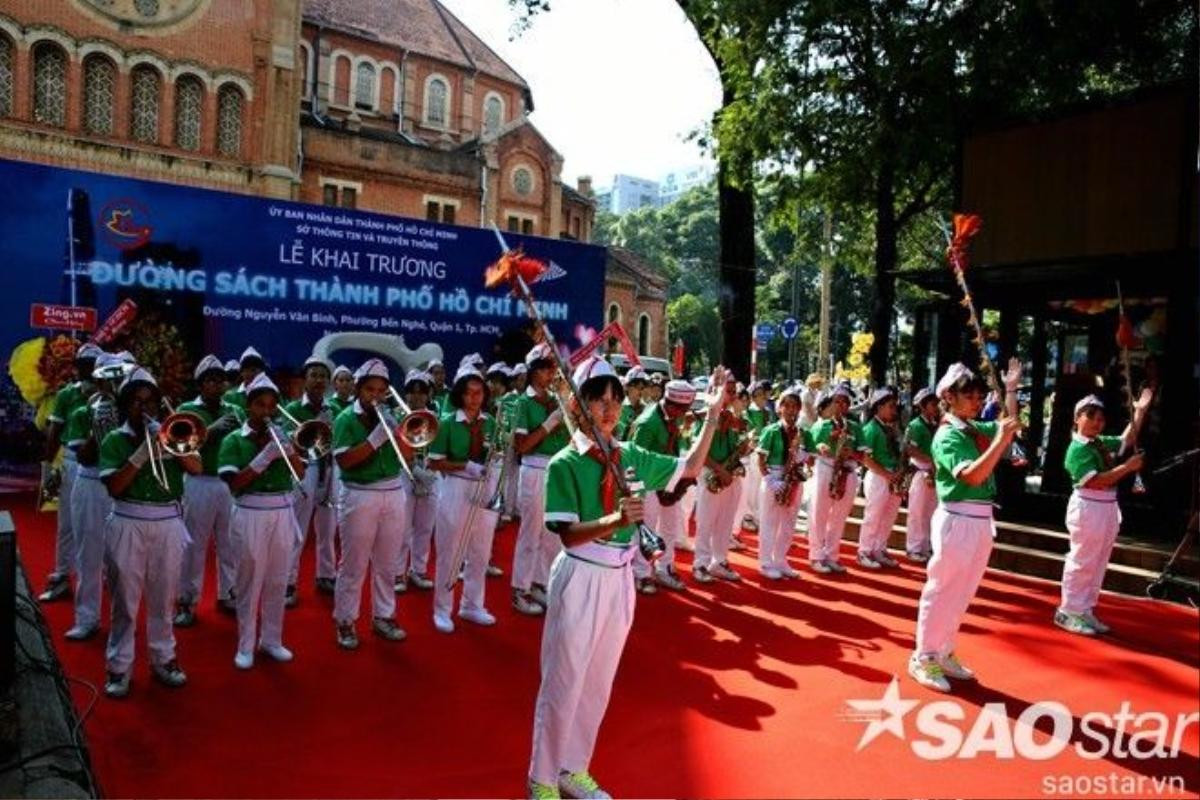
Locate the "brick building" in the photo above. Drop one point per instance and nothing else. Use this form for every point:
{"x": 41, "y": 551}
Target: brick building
{"x": 392, "y": 106}
{"x": 635, "y": 295}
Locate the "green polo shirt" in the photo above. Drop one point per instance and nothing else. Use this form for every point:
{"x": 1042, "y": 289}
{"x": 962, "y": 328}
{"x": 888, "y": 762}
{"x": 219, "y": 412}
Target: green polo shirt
{"x": 453, "y": 440}
{"x": 78, "y": 427}
{"x": 573, "y": 485}
{"x": 881, "y": 447}
{"x": 66, "y": 400}
{"x": 757, "y": 418}
{"x": 439, "y": 401}
{"x": 210, "y": 452}
{"x": 1083, "y": 460}
{"x": 920, "y": 436}
{"x": 115, "y": 451}
{"x": 238, "y": 449}
{"x": 953, "y": 450}
{"x": 724, "y": 442}
{"x": 822, "y": 430}
{"x": 628, "y": 415}
{"x": 529, "y": 415}
{"x": 771, "y": 443}
{"x": 337, "y": 405}
{"x": 349, "y": 432}
{"x": 650, "y": 432}
{"x": 236, "y": 397}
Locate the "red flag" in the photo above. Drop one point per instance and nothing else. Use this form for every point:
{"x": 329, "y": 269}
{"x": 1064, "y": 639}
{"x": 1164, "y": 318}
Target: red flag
{"x": 965, "y": 228}
{"x": 1126, "y": 338}
{"x": 510, "y": 265}
{"x": 679, "y": 357}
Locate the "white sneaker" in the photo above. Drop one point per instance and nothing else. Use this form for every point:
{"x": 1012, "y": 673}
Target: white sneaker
{"x": 1088, "y": 617}
{"x": 835, "y": 566}
{"x": 443, "y": 623}
{"x": 78, "y": 633}
{"x": 277, "y": 652}
{"x": 702, "y": 575}
{"x": 116, "y": 684}
{"x": 581, "y": 785}
{"x": 1073, "y": 623}
{"x": 821, "y": 567}
{"x": 865, "y": 560}
{"x": 724, "y": 572}
{"x": 243, "y": 660}
{"x": 771, "y": 574}
{"x": 786, "y": 571}
{"x": 928, "y": 672}
{"x": 538, "y": 593}
{"x": 886, "y": 560}
{"x": 525, "y": 605}
{"x": 669, "y": 579}
{"x": 917, "y": 556}
{"x": 479, "y": 616}
{"x": 955, "y": 669}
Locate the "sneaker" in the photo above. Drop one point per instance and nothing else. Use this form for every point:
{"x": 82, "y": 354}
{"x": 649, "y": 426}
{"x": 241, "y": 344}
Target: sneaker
{"x": 277, "y": 652}
{"x": 290, "y": 598}
{"x": 443, "y": 623}
{"x": 541, "y": 791}
{"x": 928, "y": 672}
{"x": 57, "y": 588}
{"x": 955, "y": 669}
{"x": 750, "y": 523}
{"x": 169, "y": 674}
{"x": 243, "y": 660}
{"x": 325, "y": 585}
{"x": 480, "y": 616}
{"x": 917, "y": 556}
{"x": 537, "y": 593}
{"x": 420, "y": 581}
{"x": 1094, "y": 621}
{"x": 786, "y": 571}
{"x": 724, "y": 572}
{"x": 1073, "y": 623}
{"x": 493, "y": 571}
{"x": 80, "y": 633}
{"x": 116, "y": 684}
{"x": 581, "y": 785}
{"x": 185, "y": 615}
{"x": 865, "y": 560}
{"x": 401, "y": 585}
{"x": 669, "y": 579}
{"x": 347, "y": 637}
{"x": 386, "y": 628}
{"x": 835, "y": 566}
{"x": 646, "y": 586}
{"x": 227, "y": 605}
{"x": 771, "y": 574}
{"x": 524, "y": 604}
{"x": 702, "y": 575}
{"x": 821, "y": 567}
{"x": 886, "y": 560}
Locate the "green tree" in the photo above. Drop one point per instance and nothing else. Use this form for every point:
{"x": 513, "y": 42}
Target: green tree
{"x": 696, "y": 323}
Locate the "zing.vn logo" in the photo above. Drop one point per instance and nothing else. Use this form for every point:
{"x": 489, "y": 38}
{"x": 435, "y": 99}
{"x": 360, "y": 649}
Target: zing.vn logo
{"x": 125, "y": 223}
{"x": 943, "y": 730}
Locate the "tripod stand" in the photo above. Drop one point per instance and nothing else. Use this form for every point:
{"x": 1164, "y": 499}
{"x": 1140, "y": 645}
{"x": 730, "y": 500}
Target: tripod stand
{"x": 1169, "y": 580}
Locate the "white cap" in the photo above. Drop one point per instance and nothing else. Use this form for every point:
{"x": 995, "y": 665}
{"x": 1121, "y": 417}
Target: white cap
{"x": 471, "y": 358}
{"x": 139, "y": 375}
{"x": 635, "y": 373}
{"x": 434, "y": 362}
{"x": 342, "y": 368}
{"x": 793, "y": 391}
{"x": 880, "y": 395}
{"x": 541, "y": 350}
{"x": 1091, "y": 401}
{"x": 250, "y": 353}
{"x": 88, "y": 350}
{"x": 106, "y": 360}
{"x": 232, "y": 365}
{"x": 954, "y": 373}
{"x": 592, "y": 367}
{"x": 316, "y": 361}
{"x": 922, "y": 395}
{"x": 842, "y": 390}
{"x": 415, "y": 375}
{"x": 372, "y": 368}
{"x": 501, "y": 368}
{"x": 519, "y": 369}
{"x": 207, "y": 364}
{"x": 466, "y": 371}
{"x": 261, "y": 383}
{"x": 679, "y": 391}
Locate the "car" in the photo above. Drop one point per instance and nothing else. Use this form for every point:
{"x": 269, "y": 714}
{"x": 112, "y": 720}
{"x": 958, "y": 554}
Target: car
{"x": 620, "y": 363}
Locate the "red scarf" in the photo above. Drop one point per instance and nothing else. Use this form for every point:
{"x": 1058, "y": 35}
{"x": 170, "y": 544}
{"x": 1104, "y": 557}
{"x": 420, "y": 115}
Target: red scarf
{"x": 789, "y": 433}
{"x": 672, "y": 431}
{"x": 982, "y": 442}
{"x": 608, "y": 480}
{"x": 475, "y": 448}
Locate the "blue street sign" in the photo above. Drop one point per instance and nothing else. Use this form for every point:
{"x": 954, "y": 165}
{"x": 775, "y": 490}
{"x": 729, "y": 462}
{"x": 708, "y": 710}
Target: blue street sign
{"x": 764, "y": 332}
{"x": 789, "y": 328}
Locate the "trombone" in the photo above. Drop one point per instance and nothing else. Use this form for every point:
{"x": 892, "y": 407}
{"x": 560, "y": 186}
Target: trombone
{"x": 181, "y": 434}
{"x": 314, "y": 438}
{"x": 418, "y": 429}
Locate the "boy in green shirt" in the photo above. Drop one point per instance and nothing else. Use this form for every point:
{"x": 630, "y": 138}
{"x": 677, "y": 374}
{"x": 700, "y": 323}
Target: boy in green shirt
{"x": 631, "y": 409}
{"x": 922, "y": 499}
{"x": 883, "y": 460}
{"x": 838, "y": 442}
{"x": 145, "y": 535}
{"x": 343, "y": 389}
{"x": 720, "y": 491}
{"x": 413, "y": 560}
{"x": 965, "y": 454}
{"x": 591, "y": 589}
{"x": 1093, "y": 516}
{"x": 256, "y": 464}
{"x": 250, "y": 365}
{"x": 782, "y": 443}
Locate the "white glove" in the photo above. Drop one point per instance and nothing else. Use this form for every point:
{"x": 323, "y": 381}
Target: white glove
{"x": 553, "y": 421}
{"x": 424, "y": 474}
{"x": 265, "y": 458}
{"x": 378, "y": 437}
{"x": 140, "y": 456}
{"x": 472, "y": 470}
{"x": 776, "y": 484}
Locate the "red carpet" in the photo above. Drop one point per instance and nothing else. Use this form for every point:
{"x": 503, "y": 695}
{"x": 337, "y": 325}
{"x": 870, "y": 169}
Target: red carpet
{"x": 728, "y": 691}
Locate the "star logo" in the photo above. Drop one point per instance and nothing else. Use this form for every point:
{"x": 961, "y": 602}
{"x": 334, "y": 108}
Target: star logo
{"x": 885, "y": 715}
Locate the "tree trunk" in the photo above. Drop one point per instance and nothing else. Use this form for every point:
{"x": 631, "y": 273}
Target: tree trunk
{"x": 736, "y": 220}
{"x": 884, "y": 303}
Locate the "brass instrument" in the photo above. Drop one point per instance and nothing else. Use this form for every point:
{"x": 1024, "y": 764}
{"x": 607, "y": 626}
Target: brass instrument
{"x": 102, "y": 407}
{"x": 841, "y": 455}
{"x": 419, "y": 427}
{"x": 732, "y": 464}
{"x": 504, "y": 437}
{"x": 181, "y": 434}
{"x": 476, "y": 502}
{"x": 313, "y": 438}
{"x": 278, "y": 442}
{"x": 901, "y": 480}
{"x": 795, "y": 472}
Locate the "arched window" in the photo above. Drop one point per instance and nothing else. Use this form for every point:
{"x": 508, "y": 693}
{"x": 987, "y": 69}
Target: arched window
{"x": 364, "y": 86}
{"x": 49, "y": 84}
{"x": 143, "y": 104}
{"x": 229, "y": 121}
{"x": 189, "y": 108}
{"x": 614, "y": 312}
{"x": 99, "y": 85}
{"x": 6, "y": 75}
{"x": 644, "y": 335}
{"x": 437, "y": 94}
{"x": 493, "y": 114}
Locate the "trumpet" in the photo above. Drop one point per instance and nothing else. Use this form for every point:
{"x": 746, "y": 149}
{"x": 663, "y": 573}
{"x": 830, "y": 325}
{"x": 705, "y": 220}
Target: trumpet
{"x": 313, "y": 438}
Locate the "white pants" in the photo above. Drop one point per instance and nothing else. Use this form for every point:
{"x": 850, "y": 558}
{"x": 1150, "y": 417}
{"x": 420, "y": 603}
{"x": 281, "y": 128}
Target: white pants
{"x": 317, "y": 509}
{"x": 90, "y": 507}
{"x": 454, "y": 510}
{"x": 667, "y": 522}
{"x": 536, "y": 547}
{"x": 142, "y": 555}
{"x": 961, "y": 546}
{"x": 372, "y": 526}
{"x": 265, "y": 537}
{"x": 922, "y": 500}
{"x": 748, "y": 500}
{"x": 1093, "y": 526}
{"x": 687, "y": 507}
{"x": 879, "y": 515}
{"x": 827, "y": 517}
{"x": 776, "y": 523}
{"x": 591, "y": 611}
{"x": 415, "y": 546}
{"x": 64, "y": 543}
{"x": 716, "y": 515}
{"x": 207, "y": 504}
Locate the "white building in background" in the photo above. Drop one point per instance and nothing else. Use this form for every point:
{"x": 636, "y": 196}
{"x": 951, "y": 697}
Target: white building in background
{"x": 675, "y": 183}
{"x": 627, "y": 193}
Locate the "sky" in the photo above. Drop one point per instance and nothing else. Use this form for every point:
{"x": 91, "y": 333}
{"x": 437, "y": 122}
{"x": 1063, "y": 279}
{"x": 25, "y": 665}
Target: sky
{"x": 617, "y": 84}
